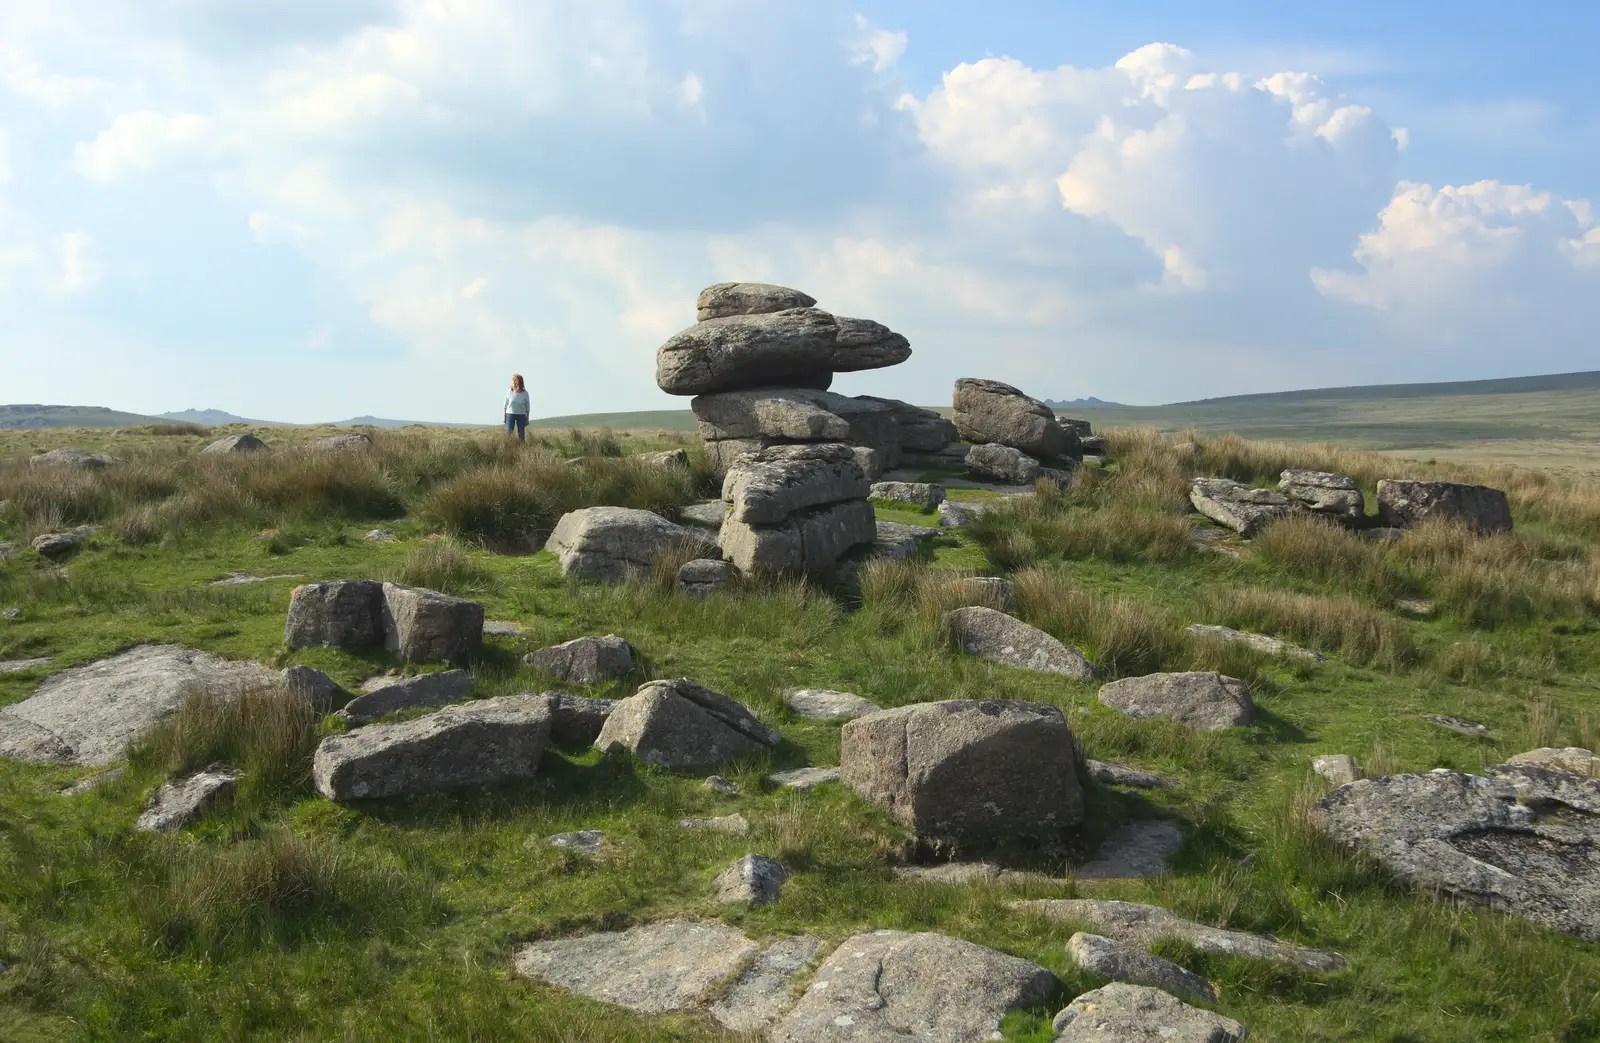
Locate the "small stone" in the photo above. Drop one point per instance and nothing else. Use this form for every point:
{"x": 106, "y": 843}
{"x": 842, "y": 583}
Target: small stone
{"x": 703, "y": 577}
{"x": 736, "y": 824}
{"x": 238, "y": 579}
{"x": 380, "y": 536}
{"x": 1001, "y": 463}
{"x": 1123, "y": 775}
{"x": 825, "y": 705}
{"x": 72, "y": 458}
{"x": 589, "y": 842}
{"x": 503, "y": 628}
{"x": 953, "y": 515}
{"x": 176, "y": 804}
{"x": 753, "y": 880}
{"x": 1337, "y": 768}
{"x": 354, "y": 442}
{"x": 1415, "y": 607}
{"x": 718, "y": 784}
{"x": 584, "y": 660}
{"x": 11, "y": 613}
{"x": 1119, "y": 961}
{"x": 1196, "y": 699}
{"x": 236, "y": 444}
{"x": 803, "y": 778}
{"x": 1134, "y": 851}
{"x": 57, "y": 545}
{"x": 665, "y": 458}
{"x": 1456, "y": 724}
{"x": 1120, "y": 1013}
{"x": 677, "y": 724}
{"x": 94, "y": 782}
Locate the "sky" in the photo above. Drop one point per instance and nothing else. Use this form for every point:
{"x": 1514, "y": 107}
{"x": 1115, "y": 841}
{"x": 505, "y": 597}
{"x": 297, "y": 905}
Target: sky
{"x": 306, "y": 210}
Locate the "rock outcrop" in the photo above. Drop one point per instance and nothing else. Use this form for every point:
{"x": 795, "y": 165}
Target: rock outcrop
{"x": 57, "y": 545}
{"x": 1403, "y": 504}
{"x": 1262, "y": 643}
{"x": 895, "y": 985}
{"x": 358, "y": 615}
{"x": 1001, "y": 463}
{"x": 89, "y": 714}
{"x": 1324, "y": 493}
{"x": 703, "y": 577}
{"x": 424, "y": 691}
{"x": 1571, "y": 760}
{"x": 796, "y": 508}
{"x": 761, "y": 992}
{"x": 1242, "y": 508}
{"x": 584, "y": 660}
{"x": 1009, "y": 641}
{"x": 917, "y": 494}
{"x": 75, "y": 458}
{"x": 968, "y": 772}
{"x": 1520, "y": 838}
{"x": 1206, "y": 702}
{"x": 989, "y": 411}
{"x": 653, "y": 969}
{"x": 610, "y": 544}
{"x": 492, "y": 740}
{"x": 679, "y": 724}
{"x": 751, "y": 881}
{"x": 825, "y": 705}
{"x": 760, "y": 365}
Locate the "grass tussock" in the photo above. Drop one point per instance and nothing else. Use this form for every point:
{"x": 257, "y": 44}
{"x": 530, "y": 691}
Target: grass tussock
{"x": 1123, "y": 517}
{"x": 1340, "y": 625}
{"x": 908, "y": 595}
{"x": 443, "y": 566}
{"x": 264, "y": 730}
{"x": 1122, "y": 636}
{"x": 1504, "y": 578}
{"x": 279, "y": 889}
{"x": 179, "y": 427}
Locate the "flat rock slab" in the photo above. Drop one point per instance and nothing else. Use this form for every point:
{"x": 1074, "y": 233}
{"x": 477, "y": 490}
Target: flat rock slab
{"x": 826, "y": 705}
{"x": 1122, "y": 775}
{"x": 1119, "y": 961}
{"x": 94, "y": 782}
{"x": 896, "y": 986}
{"x": 89, "y": 714}
{"x": 1260, "y": 642}
{"x": 1008, "y": 641}
{"x": 584, "y": 660}
{"x": 762, "y": 990}
{"x": 180, "y": 802}
{"x": 410, "y": 693}
{"x": 736, "y": 824}
{"x": 1133, "y": 851}
{"x": 503, "y": 628}
{"x": 1206, "y": 702}
{"x": 1119, "y": 1013}
{"x": 803, "y": 778}
{"x": 1144, "y": 925}
{"x": 239, "y": 579}
{"x": 16, "y": 666}
{"x": 492, "y": 740}
{"x": 708, "y": 515}
{"x": 959, "y": 873}
{"x": 766, "y": 350}
{"x": 1456, "y": 724}
{"x": 653, "y": 969}
{"x": 1521, "y": 839}
{"x": 747, "y": 298}
{"x": 718, "y": 784}
{"x": 589, "y": 842}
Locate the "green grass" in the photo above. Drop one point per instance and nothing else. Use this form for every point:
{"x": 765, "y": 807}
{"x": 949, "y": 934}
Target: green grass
{"x": 284, "y": 916}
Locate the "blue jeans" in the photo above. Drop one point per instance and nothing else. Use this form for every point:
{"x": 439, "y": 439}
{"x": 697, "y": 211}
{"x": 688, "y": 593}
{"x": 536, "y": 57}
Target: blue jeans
{"x": 517, "y": 424}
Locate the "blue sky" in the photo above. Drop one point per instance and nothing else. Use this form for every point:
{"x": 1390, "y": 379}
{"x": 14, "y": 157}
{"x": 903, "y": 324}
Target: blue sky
{"x": 309, "y": 209}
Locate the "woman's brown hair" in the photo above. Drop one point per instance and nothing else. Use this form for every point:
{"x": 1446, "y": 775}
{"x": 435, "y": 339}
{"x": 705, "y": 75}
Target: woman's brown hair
{"x": 516, "y": 382}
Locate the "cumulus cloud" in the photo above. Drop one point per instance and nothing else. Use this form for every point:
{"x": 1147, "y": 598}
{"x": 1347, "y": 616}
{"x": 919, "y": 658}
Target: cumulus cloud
{"x": 459, "y": 189}
{"x": 139, "y": 141}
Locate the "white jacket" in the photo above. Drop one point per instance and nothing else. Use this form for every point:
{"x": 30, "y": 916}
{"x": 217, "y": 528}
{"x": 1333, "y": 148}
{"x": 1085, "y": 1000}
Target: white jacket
{"x": 517, "y": 403}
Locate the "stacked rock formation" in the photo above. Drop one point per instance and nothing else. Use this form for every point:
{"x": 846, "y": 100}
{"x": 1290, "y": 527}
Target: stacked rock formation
{"x": 1012, "y": 433}
{"x": 795, "y": 508}
{"x": 759, "y": 362}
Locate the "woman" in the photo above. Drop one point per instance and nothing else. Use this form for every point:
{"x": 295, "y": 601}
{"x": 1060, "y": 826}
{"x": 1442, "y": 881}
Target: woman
{"x": 516, "y": 412}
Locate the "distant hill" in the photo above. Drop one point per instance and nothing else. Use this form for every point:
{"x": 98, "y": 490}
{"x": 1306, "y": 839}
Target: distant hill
{"x": 69, "y": 416}
{"x": 1589, "y": 380}
{"x": 217, "y": 418}
{"x": 1080, "y": 403}
{"x": 652, "y": 419}
{"x": 378, "y": 421}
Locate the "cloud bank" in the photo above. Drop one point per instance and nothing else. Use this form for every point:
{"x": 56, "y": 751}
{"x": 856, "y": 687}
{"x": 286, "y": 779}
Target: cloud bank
{"x": 316, "y": 210}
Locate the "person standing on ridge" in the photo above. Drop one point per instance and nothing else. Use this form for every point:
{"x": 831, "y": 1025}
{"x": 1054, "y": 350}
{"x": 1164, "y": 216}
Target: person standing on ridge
{"x": 516, "y": 412}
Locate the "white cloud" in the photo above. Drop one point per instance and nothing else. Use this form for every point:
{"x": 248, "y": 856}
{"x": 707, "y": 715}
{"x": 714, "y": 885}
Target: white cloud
{"x": 880, "y": 48}
{"x": 139, "y": 141}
